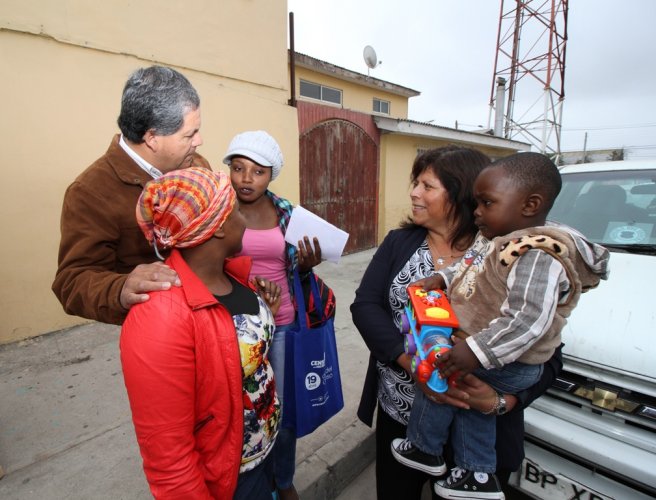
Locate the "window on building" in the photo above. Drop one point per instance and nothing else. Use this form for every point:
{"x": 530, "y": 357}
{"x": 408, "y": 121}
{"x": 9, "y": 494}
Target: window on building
{"x": 381, "y": 106}
{"x": 320, "y": 92}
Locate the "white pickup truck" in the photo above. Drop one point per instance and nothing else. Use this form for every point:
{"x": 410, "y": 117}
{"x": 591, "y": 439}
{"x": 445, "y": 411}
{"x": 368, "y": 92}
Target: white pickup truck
{"x": 593, "y": 435}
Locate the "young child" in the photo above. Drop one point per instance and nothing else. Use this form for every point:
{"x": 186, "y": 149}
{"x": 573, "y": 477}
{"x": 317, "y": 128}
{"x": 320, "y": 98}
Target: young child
{"x": 512, "y": 292}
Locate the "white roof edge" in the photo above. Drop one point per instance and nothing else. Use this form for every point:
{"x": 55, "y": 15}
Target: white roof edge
{"x": 409, "y": 127}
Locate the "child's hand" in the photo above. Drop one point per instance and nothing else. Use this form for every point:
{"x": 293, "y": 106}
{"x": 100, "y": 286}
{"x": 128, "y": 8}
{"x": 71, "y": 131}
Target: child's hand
{"x": 435, "y": 282}
{"x": 269, "y": 291}
{"x": 460, "y": 358}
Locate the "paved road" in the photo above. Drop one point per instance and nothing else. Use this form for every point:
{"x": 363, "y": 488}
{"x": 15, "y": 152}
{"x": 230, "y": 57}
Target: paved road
{"x": 363, "y": 487}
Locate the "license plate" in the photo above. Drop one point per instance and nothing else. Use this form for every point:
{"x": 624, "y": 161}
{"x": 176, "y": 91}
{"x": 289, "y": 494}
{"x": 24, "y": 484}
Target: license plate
{"x": 540, "y": 483}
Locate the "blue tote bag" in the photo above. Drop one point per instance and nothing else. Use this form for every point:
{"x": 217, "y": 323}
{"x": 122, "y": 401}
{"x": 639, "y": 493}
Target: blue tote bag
{"x": 313, "y": 387}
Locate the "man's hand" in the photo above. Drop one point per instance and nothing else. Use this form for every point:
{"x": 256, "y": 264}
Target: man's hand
{"x": 269, "y": 291}
{"x": 307, "y": 256}
{"x": 147, "y": 278}
{"x": 435, "y": 282}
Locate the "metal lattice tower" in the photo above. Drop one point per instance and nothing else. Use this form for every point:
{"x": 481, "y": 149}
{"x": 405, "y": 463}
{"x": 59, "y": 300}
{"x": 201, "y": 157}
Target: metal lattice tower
{"x": 530, "y": 59}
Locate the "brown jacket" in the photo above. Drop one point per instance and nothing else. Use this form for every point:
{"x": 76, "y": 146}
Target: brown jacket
{"x": 100, "y": 239}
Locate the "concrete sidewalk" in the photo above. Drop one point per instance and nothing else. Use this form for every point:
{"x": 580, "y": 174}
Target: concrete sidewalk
{"x": 66, "y": 431}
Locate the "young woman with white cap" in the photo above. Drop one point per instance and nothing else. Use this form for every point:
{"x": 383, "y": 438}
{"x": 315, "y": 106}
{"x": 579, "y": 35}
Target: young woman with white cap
{"x": 255, "y": 159}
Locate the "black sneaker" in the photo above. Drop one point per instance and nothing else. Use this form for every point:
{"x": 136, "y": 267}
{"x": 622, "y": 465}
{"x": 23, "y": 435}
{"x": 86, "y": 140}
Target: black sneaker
{"x": 467, "y": 484}
{"x": 408, "y": 455}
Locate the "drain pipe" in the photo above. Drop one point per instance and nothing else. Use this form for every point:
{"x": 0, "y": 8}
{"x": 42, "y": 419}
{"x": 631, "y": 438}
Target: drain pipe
{"x": 292, "y": 62}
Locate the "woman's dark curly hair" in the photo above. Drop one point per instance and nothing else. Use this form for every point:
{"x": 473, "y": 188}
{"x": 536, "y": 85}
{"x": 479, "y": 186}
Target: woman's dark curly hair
{"x": 456, "y": 167}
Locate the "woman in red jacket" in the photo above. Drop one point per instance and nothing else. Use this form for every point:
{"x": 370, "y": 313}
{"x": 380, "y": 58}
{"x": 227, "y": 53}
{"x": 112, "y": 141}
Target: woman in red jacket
{"x": 194, "y": 358}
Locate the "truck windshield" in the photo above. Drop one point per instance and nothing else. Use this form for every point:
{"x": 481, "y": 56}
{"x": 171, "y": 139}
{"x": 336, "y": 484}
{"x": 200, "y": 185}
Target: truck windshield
{"x": 616, "y": 209}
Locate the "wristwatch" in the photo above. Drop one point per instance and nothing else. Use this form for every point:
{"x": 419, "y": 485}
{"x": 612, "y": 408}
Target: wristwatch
{"x": 501, "y": 405}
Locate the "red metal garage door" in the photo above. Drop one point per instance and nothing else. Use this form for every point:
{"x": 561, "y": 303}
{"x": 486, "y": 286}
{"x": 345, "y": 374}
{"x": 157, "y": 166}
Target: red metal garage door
{"x": 339, "y": 179}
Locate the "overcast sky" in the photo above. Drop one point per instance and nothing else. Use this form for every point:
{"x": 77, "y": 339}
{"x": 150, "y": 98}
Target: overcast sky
{"x": 445, "y": 49}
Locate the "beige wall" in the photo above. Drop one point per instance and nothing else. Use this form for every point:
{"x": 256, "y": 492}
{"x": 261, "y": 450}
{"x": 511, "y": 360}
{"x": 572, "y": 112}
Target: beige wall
{"x": 63, "y": 69}
{"x": 397, "y": 152}
{"x": 354, "y": 97}
{"x": 216, "y": 37}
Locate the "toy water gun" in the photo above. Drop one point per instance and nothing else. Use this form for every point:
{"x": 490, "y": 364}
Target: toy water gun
{"x": 428, "y": 323}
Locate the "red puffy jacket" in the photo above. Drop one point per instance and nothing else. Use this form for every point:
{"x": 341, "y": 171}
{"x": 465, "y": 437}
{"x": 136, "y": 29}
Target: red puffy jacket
{"x": 183, "y": 375}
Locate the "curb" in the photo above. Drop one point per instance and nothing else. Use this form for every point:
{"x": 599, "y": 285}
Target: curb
{"x": 331, "y": 468}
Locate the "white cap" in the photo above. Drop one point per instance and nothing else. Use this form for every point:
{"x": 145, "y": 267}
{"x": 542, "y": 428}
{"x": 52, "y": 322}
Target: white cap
{"x": 258, "y": 146}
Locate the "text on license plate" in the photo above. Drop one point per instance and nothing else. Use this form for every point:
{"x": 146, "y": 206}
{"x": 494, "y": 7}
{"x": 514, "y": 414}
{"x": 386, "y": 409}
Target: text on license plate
{"x": 543, "y": 484}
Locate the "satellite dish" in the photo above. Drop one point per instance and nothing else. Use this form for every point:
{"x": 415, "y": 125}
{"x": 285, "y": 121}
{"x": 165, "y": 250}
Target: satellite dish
{"x": 370, "y": 57}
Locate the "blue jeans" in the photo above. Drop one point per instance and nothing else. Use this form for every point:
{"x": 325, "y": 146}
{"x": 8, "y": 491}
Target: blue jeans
{"x": 284, "y": 449}
{"x": 473, "y": 435}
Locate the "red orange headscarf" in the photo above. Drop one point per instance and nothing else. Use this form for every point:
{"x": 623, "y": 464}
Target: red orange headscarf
{"x": 184, "y": 208}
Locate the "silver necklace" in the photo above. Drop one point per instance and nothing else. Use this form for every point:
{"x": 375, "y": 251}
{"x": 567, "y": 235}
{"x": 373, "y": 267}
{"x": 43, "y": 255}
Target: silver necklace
{"x": 440, "y": 260}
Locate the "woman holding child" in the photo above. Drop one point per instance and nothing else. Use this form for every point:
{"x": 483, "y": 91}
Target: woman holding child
{"x": 439, "y": 232}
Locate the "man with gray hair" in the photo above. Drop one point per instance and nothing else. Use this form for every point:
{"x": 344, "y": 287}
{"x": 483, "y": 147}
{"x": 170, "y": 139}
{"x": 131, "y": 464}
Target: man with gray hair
{"x": 105, "y": 264}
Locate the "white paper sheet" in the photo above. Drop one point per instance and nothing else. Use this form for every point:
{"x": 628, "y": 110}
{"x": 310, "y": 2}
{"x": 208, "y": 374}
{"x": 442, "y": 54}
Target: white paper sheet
{"x": 304, "y": 223}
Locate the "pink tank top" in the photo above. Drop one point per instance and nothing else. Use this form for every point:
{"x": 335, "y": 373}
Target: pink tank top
{"x": 267, "y": 249}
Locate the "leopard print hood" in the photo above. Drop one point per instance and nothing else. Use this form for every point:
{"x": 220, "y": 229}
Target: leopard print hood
{"x": 595, "y": 256}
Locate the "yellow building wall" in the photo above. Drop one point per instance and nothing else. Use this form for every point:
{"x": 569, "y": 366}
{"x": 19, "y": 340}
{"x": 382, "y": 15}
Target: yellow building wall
{"x": 241, "y": 40}
{"x": 396, "y": 157}
{"x": 354, "y": 97}
{"x": 63, "y": 68}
